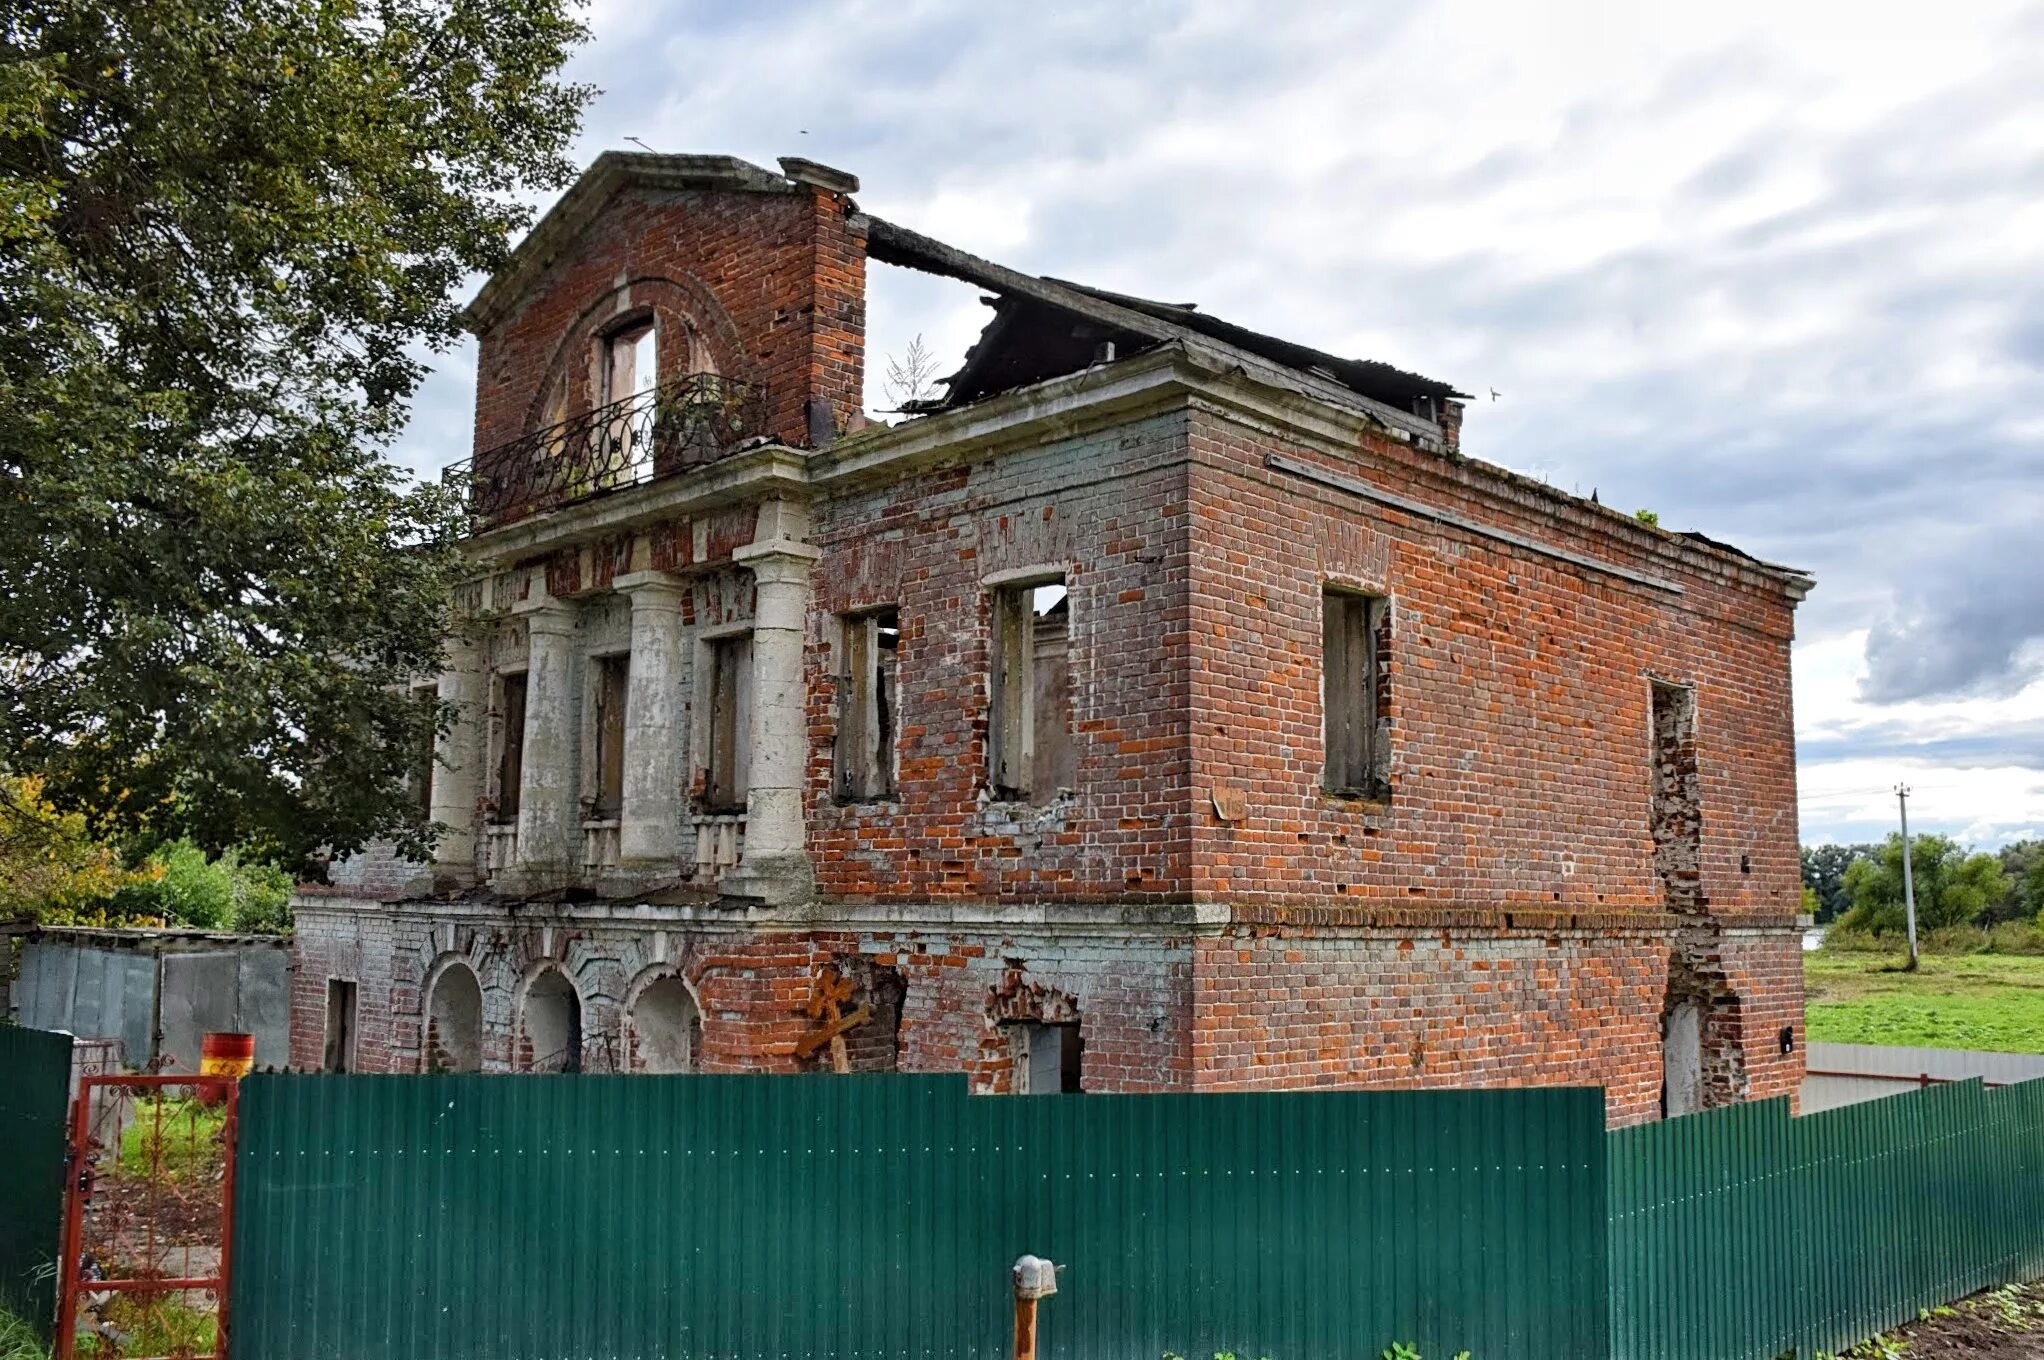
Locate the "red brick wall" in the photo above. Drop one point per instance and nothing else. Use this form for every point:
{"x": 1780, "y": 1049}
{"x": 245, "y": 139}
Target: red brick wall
{"x": 1519, "y": 696}
{"x": 1453, "y": 1007}
{"x": 1110, "y": 509}
{"x": 773, "y": 284}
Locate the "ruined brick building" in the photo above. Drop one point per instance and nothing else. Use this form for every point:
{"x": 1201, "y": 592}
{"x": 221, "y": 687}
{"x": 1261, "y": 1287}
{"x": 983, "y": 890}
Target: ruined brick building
{"x": 1164, "y": 707}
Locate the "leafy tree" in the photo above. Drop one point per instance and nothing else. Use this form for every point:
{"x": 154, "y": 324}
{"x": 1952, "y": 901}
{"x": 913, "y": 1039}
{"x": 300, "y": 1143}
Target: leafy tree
{"x": 228, "y": 231}
{"x": 2023, "y": 864}
{"x": 49, "y": 860}
{"x": 1953, "y": 886}
{"x": 1824, "y": 869}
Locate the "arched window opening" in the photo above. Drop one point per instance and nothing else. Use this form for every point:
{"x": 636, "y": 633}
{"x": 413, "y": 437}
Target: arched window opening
{"x": 552, "y": 1029}
{"x": 454, "y": 1022}
{"x": 667, "y": 1028}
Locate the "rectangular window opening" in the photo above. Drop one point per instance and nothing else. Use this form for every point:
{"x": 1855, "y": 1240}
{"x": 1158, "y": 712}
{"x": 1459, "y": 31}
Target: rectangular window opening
{"x": 610, "y": 682}
{"x": 1049, "y": 1059}
{"x": 1355, "y": 689}
{"x": 1032, "y": 757}
{"x": 510, "y": 745}
{"x": 866, "y": 705}
{"x": 631, "y": 369}
{"x": 340, "y": 1025}
{"x": 730, "y": 744}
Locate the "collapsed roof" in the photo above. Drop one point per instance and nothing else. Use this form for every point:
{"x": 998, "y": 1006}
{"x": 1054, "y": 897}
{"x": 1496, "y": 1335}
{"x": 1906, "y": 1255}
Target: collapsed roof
{"x": 1044, "y": 327}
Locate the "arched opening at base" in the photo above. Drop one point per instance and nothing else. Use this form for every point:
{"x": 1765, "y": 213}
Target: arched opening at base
{"x": 667, "y": 1028}
{"x": 551, "y": 1029}
{"x": 454, "y": 1022}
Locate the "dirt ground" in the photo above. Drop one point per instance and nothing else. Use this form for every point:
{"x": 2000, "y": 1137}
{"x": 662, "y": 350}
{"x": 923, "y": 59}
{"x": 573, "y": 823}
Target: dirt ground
{"x": 2002, "y": 1324}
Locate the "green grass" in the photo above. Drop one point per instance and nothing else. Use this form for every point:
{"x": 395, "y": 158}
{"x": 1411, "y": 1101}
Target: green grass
{"x": 150, "y": 1326}
{"x": 18, "y": 1341}
{"x": 190, "y": 1133}
{"x": 1984, "y": 1001}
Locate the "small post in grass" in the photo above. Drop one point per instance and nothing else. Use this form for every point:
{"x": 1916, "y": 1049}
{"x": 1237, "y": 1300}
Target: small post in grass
{"x": 1908, "y": 875}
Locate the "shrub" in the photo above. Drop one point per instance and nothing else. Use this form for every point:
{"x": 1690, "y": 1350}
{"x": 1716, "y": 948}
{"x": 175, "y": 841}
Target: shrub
{"x": 1848, "y": 937}
{"x": 2016, "y": 937}
{"x": 188, "y": 889}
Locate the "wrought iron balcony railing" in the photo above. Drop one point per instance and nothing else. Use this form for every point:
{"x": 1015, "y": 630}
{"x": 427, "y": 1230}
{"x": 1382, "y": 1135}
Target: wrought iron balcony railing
{"x": 654, "y": 434}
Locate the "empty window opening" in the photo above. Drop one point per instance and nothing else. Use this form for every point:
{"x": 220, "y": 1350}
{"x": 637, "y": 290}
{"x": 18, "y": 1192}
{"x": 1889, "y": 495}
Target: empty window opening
{"x": 630, "y": 372}
{"x": 423, "y": 762}
{"x": 1355, "y": 639}
{"x": 510, "y": 744}
{"x": 610, "y": 681}
{"x": 1676, "y": 814}
{"x": 1048, "y": 1058}
{"x": 454, "y": 1022}
{"x": 1682, "y": 1059}
{"x": 1032, "y": 755}
{"x": 667, "y": 1028}
{"x": 866, "y": 705}
{"x": 552, "y": 1028}
{"x": 340, "y": 1026}
{"x": 730, "y": 725}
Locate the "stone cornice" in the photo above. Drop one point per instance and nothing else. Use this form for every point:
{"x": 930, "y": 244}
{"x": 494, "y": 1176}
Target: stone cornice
{"x": 1101, "y": 920}
{"x": 1179, "y": 376}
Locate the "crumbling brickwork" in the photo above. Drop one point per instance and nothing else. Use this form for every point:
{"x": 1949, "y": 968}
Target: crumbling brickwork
{"x": 1561, "y": 837}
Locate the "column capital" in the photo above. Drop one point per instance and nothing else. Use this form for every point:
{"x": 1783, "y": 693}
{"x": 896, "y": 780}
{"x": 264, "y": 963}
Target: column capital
{"x": 546, "y": 615}
{"x": 778, "y": 559}
{"x": 650, "y": 589}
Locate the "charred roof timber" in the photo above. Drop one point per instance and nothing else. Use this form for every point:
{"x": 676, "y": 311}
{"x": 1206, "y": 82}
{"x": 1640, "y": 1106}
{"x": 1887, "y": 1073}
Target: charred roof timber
{"x": 1046, "y": 327}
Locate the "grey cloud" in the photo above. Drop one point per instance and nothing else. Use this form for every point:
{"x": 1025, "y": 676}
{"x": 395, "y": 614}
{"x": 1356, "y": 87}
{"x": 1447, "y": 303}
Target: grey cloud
{"x": 1963, "y": 625}
{"x": 2021, "y": 747}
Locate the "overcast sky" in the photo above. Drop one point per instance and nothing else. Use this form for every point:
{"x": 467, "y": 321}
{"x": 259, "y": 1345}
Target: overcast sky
{"x": 1773, "y": 270}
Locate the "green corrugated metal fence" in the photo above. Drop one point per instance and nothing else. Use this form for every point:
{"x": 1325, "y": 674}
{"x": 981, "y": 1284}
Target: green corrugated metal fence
{"x": 613, "y": 1217}
{"x": 1742, "y": 1233}
{"x": 600, "y": 1216}
{"x": 35, "y": 1082}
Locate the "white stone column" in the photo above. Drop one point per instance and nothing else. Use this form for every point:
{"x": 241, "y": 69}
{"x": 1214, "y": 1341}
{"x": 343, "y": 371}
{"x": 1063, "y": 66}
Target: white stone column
{"x": 549, "y": 826}
{"x": 656, "y": 728}
{"x": 459, "y": 753}
{"x": 776, "y": 866}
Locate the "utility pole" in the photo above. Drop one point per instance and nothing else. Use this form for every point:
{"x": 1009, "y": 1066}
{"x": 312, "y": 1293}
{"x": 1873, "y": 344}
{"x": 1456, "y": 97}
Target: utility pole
{"x": 1908, "y": 875}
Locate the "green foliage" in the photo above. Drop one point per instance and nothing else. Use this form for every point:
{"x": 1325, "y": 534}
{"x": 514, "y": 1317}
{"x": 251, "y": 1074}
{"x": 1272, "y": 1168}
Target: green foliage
{"x": 1652, "y": 517}
{"x": 18, "y": 1340}
{"x": 49, "y": 860}
{"x": 223, "y": 893}
{"x": 2022, "y": 863}
{"x": 1978, "y": 1001}
{"x": 181, "y": 1138}
{"x": 1824, "y": 869}
{"x": 1953, "y": 886}
{"x": 228, "y": 232}
{"x": 149, "y": 1324}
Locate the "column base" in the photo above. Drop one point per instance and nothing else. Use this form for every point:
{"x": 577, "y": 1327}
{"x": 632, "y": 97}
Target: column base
{"x": 777, "y": 881}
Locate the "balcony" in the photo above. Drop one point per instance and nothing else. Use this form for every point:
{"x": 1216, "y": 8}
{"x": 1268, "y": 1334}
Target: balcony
{"x": 647, "y": 436}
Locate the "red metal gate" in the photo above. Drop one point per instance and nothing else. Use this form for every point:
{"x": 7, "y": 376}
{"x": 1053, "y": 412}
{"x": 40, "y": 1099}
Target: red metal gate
{"x": 148, "y": 1217}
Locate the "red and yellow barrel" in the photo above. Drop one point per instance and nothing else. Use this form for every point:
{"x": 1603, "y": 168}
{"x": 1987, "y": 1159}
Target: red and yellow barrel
{"x": 227, "y": 1055}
